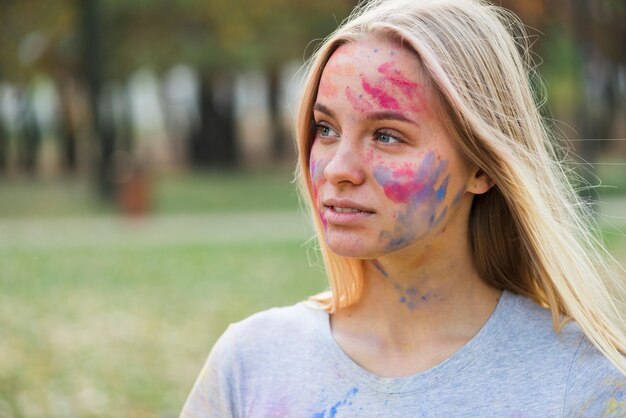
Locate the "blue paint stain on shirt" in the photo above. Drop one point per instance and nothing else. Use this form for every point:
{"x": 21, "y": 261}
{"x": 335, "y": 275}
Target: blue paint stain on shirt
{"x": 332, "y": 411}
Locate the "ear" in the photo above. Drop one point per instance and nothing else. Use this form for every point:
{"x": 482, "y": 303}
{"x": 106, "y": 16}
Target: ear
{"x": 479, "y": 182}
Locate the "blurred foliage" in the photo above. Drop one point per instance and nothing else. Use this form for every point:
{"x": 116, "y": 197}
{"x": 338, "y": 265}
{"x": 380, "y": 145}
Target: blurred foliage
{"x": 215, "y": 35}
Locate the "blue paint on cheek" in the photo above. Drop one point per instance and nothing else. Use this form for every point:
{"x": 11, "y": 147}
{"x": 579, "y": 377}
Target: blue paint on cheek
{"x": 382, "y": 175}
{"x": 441, "y": 191}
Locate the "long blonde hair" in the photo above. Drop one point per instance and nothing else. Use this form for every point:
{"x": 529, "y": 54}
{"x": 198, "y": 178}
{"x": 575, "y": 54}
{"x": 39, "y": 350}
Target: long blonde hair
{"x": 530, "y": 234}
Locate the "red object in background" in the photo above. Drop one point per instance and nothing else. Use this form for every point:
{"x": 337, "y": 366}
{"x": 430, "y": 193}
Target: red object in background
{"x": 135, "y": 196}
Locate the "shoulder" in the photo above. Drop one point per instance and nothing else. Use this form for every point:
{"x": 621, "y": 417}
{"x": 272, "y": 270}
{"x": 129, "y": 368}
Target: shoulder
{"x": 591, "y": 384}
{"x": 267, "y": 326}
{"x": 531, "y": 328}
{"x": 595, "y": 387}
{"x": 269, "y": 334}
{"x": 255, "y": 349}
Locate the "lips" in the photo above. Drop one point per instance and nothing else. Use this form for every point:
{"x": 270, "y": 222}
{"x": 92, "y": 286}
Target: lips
{"x": 346, "y": 206}
{"x": 344, "y": 211}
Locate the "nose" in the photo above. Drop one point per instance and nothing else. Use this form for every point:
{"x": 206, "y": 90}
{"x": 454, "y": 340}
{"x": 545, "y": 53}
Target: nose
{"x": 346, "y": 165}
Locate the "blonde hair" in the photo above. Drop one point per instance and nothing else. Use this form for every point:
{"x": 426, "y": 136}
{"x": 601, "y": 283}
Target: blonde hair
{"x": 529, "y": 234}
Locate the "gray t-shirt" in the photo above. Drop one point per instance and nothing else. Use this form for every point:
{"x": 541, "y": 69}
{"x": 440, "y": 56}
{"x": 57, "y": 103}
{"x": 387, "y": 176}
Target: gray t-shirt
{"x": 284, "y": 362}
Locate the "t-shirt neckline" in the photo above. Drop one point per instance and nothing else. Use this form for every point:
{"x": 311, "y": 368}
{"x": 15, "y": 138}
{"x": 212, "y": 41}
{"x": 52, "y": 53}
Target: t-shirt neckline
{"x": 443, "y": 371}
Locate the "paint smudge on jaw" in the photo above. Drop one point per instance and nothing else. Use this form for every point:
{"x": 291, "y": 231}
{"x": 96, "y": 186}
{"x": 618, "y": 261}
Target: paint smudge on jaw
{"x": 402, "y": 234}
{"x": 331, "y": 412}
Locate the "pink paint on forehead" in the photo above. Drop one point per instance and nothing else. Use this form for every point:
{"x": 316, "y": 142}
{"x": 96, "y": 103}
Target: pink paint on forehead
{"x": 407, "y": 86}
{"x": 326, "y": 88}
{"x": 380, "y": 95}
{"x": 412, "y": 90}
{"x": 358, "y": 102}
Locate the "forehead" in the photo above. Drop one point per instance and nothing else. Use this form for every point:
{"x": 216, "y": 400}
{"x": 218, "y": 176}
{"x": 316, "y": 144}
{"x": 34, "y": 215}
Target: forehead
{"x": 361, "y": 56}
{"x": 374, "y": 75}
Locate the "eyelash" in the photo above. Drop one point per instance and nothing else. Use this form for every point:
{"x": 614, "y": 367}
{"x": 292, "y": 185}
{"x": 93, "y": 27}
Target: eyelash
{"x": 380, "y": 133}
{"x": 319, "y": 127}
{"x": 377, "y": 135}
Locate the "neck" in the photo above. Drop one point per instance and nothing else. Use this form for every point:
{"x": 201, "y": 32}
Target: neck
{"x": 419, "y": 295}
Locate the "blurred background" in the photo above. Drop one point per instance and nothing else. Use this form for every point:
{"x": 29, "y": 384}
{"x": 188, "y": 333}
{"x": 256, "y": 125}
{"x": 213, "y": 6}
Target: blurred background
{"x": 146, "y": 196}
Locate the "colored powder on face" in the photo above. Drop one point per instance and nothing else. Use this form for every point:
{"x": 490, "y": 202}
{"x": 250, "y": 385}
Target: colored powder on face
{"x": 312, "y": 165}
{"x": 380, "y": 96}
{"x": 407, "y": 87}
{"x": 411, "y": 186}
{"x": 441, "y": 191}
{"x": 439, "y": 218}
{"x": 326, "y": 88}
{"x": 396, "y": 243}
{"x": 323, "y": 219}
{"x": 359, "y": 103}
{"x": 402, "y": 192}
{"x": 410, "y": 89}
{"x": 457, "y": 197}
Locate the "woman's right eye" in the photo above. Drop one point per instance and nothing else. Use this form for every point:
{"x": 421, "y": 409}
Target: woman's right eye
{"x": 324, "y": 131}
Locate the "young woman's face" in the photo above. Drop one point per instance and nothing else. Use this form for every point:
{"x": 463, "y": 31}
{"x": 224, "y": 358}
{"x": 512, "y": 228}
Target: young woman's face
{"x": 385, "y": 173}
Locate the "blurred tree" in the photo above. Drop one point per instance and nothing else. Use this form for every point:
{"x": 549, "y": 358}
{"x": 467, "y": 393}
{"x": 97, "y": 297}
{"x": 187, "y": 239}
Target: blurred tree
{"x": 584, "y": 52}
{"x": 217, "y": 37}
{"x": 83, "y": 49}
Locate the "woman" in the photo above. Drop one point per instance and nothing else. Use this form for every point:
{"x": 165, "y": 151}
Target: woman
{"x": 463, "y": 280}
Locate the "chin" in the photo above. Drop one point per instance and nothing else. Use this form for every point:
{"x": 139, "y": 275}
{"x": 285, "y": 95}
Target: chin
{"x": 353, "y": 247}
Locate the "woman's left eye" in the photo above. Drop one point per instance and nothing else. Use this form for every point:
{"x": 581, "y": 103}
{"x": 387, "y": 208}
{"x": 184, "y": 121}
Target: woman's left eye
{"x": 387, "y": 138}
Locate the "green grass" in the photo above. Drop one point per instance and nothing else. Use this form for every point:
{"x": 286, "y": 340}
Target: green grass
{"x": 123, "y": 332}
{"x": 185, "y": 192}
{"x": 225, "y": 191}
{"x": 109, "y": 317}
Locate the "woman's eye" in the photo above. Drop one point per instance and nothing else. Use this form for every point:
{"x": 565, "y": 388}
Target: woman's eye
{"x": 324, "y": 131}
{"x": 387, "y": 138}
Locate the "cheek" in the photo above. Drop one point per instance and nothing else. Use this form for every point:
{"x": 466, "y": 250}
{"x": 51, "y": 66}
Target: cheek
{"x": 316, "y": 172}
{"x": 413, "y": 185}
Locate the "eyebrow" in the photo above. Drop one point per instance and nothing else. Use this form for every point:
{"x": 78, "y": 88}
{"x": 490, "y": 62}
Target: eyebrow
{"x": 322, "y": 108}
{"x": 389, "y": 115}
{"x": 381, "y": 115}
